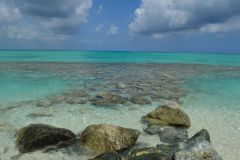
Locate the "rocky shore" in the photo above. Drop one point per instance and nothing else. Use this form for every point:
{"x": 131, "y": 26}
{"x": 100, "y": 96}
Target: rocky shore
{"x": 110, "y": 142}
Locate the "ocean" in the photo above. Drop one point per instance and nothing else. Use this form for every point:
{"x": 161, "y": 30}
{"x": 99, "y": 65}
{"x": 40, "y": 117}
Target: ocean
{"x": 207, "y": 86}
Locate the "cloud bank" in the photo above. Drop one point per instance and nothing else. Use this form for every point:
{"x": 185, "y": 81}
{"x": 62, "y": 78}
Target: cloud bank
{"x": 158, "y": 18}
{"x": 29, "y": 19}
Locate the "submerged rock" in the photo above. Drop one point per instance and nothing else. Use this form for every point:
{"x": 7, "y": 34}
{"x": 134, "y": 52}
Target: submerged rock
{"x": 36, "y": 115}
{"x": 107, "y": 138}
{"x": 75, "y": 100}
{"x": 108, "y": 156}
{"x": 149, "y": 153}
{"x": 107, "y": 99}
{"x": 167, "y": 115}
{"x": 38, "y": 136}
{"x": 140, "y": 100}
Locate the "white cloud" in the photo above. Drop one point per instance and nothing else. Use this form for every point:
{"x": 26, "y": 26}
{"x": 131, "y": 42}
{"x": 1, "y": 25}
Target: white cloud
{"x": 99, "y": 28}
{"x": 166, "y": 17}
{"x": 42, "y": 19}
{"x": 8, "y": 12}
{"x": 113, "y": 30}
{"x": 100, "y": 9}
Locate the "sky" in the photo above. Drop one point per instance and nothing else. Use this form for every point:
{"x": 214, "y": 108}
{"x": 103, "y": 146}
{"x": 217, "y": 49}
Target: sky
{"x": 124, "y": 25}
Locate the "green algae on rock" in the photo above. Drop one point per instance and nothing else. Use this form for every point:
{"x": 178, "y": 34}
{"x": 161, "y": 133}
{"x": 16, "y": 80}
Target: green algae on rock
{"x": 107, "y": 138}
{"x": 148, "y": 153}
{"x": 38, "y": 136}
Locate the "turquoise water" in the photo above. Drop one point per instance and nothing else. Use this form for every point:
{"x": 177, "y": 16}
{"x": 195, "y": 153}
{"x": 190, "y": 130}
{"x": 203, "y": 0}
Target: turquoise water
{"x": 206, "y": 85}
{"x": 101, "y": 56}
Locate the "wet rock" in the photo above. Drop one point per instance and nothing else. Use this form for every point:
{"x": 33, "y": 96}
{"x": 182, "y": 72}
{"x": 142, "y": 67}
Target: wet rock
{"x": 149, "y": 153}
{"x": 107, "y": 99}
{"x": 108, "y": 156}
{"x": 140, "y": 100}
{"x": 167, "y": 115}
{"x": 203, "y": 133}
{"x": 197, "y": 147}
{"x": 168, "y": 134}
{"x": 153, "y": 129}
{"x": 38, "y": 136}
{"x": 107, "y": 138}
{"x": 173, "y": 134}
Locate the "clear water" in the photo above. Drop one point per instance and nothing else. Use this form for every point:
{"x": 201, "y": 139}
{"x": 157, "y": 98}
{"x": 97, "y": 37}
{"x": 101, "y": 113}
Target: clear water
{"x": 109, "y": 56}
{"x": 212, "y": 100}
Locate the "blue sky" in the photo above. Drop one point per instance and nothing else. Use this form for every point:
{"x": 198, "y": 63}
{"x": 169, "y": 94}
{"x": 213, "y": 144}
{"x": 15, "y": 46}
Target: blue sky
{"x": 146, "y": 25}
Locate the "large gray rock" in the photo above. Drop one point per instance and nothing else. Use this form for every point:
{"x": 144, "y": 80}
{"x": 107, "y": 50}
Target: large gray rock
{"x": 168, "y": 134}
{"x": 197, "y": 147}
{"x": 38, "y": 136}
{"x": 167, "y": 115}
{"x": 107, "y": 138}
{"x": 173, "y": 134}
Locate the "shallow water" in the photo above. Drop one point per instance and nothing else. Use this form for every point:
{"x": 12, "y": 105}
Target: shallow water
{"x": 208, "y": 93}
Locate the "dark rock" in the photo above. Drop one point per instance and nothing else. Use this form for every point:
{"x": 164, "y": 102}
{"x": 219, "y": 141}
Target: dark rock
{"x": 153, "y": 129}
{"x": 197, "y": 147}
{"x": 173, "y": 134}
{"x": 107, "y": 138}
{"x": 167, "y": 115}
{"x": 108, "y": 156}
{"x": 38, "y": 136}
{"x": 203, "y": 133}
{"x": 107, "y": 99}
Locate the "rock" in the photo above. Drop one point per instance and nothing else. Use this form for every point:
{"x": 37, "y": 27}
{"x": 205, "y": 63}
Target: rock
{"x": 149, "y": 153}
{"x": 38, "y": 136}
{"x": 203, "y": 133}
{"x": 201, "y": 150}
{"x": 107, "y": 99}
{"x": 197, "y": 147}
{"x": 36, "y": 115}
{"x": 167, "y": 115}
{"x": 107, "y": 138}
{"x": 75, "y": 100}
{"x": 140, "y": 100}
{"x": 173, "y": 134}
{"x": 153, "y": 129}
{"x": 108, "y": 156}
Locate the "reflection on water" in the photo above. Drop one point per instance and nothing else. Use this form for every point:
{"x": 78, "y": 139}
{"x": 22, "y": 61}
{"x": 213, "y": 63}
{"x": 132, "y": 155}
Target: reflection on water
{"x": 67, "y": 95}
